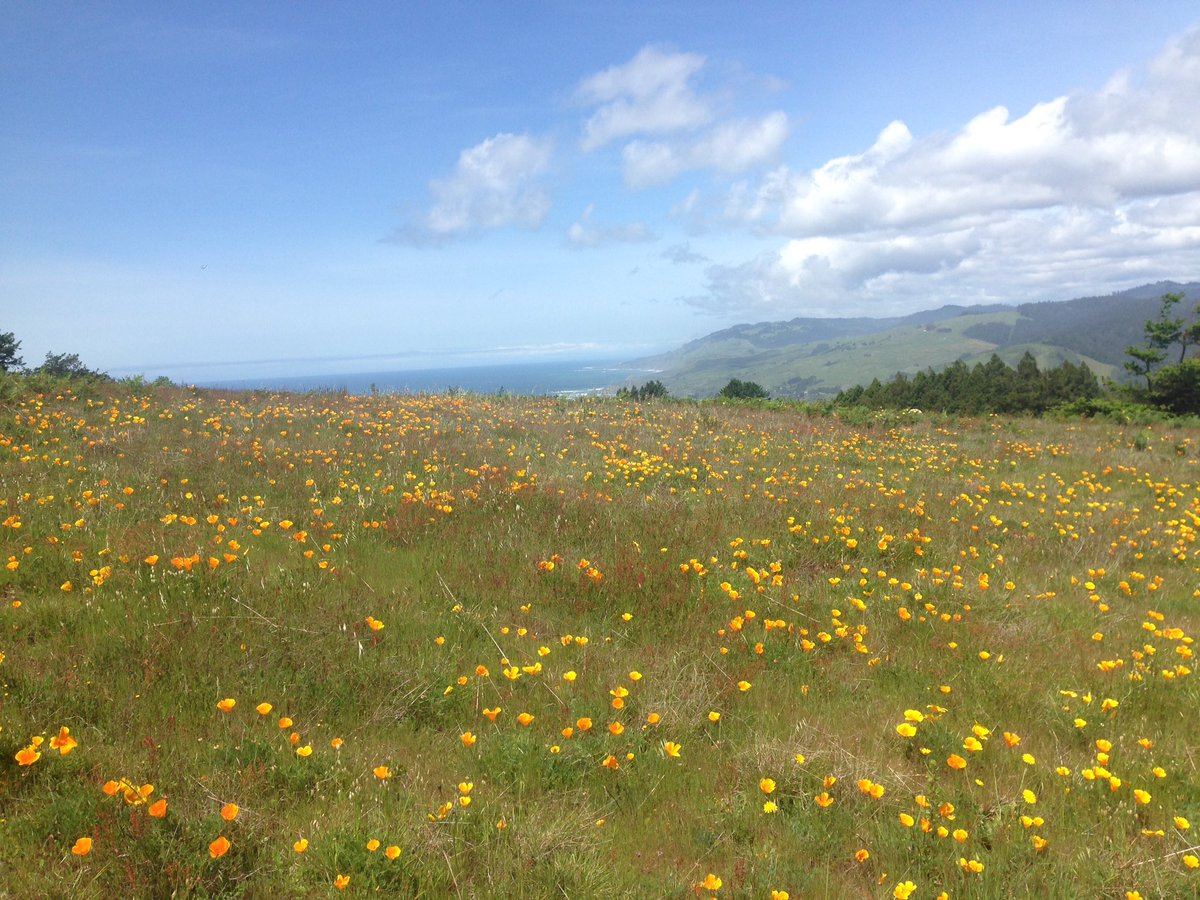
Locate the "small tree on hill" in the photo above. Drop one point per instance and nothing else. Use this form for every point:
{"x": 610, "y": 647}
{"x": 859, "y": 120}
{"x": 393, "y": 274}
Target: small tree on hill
{"x": 743, "y": 390}
{"x": 66, "y": 365}
{"x": 9, "y": 345}
{"x": 648, "y": 391}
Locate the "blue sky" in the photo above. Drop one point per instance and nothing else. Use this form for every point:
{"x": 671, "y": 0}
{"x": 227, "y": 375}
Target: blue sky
{"x": 215, "y": 191}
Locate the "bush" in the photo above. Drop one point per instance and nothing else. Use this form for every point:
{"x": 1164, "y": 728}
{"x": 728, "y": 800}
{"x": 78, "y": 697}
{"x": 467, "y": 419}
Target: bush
{"x": 743, "y": 390}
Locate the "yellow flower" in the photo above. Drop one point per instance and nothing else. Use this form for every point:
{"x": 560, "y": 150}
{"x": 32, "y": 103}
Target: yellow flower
{"x": 341, "y": 882}
{"x": 714, "y": 716}
{"x": 372, "y": 845}
{"x": 226, "y": 705}
{"x": 955, "y": 761}
{"x": 1142, "y": 797}
{"x": 301, "y": 845}
{"x": 770, "y": 807}
{"x": 905, "y": 729}
{"x": 392, "y": 852}
{"x": 671, "y": 749}
{"x": 744, "y": 686}
{"x": 63, "y": 742}
{"x": 767, "y": 785}
{"x": 82, "y": 847}
{"x": 526, "y": 719}
{"x": 906, "y": 820}
{"x": 862, "y": 855}
{"x": 711, "y": 882}
{"x": 27, "y": 756}
{"x": 305, "y": 751}
{"x": 383, "y": 773}
{"x": 468, "y": 739}
{"x": 263, "y": 709}
{"x": 903, "y": 890}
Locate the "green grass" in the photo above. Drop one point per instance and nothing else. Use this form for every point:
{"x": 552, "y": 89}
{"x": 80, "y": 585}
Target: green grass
{"x": 1011, "y": 575}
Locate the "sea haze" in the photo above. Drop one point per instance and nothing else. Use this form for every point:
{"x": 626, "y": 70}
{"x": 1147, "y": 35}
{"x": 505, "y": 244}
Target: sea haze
{"x": 560, "y": 378}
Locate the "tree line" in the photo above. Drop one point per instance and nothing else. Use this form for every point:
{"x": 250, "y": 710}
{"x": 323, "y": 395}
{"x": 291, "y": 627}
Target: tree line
{"x": 986, "y": 387}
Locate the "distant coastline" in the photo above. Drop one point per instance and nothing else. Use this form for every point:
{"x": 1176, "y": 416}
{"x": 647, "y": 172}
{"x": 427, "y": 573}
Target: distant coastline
{"x": 562, "y": 378}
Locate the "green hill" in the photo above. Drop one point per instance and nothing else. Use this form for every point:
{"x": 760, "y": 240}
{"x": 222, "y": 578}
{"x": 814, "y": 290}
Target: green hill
{"x": 816, "y": 358}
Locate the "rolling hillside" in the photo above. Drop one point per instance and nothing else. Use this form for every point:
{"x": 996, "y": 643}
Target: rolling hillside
{"x": 815, "y": 358}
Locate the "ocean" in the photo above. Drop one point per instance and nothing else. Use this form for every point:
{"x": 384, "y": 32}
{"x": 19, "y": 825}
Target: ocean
{"x": 558, "y": 378}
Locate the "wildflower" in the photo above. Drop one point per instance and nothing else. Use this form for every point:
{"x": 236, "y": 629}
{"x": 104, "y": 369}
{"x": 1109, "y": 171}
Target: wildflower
{"x": 903, "y": 890}
{"x": 905, "y": 729}
{"x": 714, "y": 716}
{"x": 654, "y": 718}
{"x": 955, "y": 761}
{"x": 305, "y": 751}
{"x": 615, "y": 729}
{"x": 711, "y": 882}
{"x": 82, "y": 847}
{"x": 63, "y": 742}
{"x": 610, "y": 762}
{"x": 491, "y": 714}
{"x": 780, "y": 895}
{"x": 383, "y": 773}
{"x": 770, "y": 807}
{"x": 226, "y": 705}
{"x": 671, "y": 749}
{"x": 1142, "y": 797}
{"x": 824, "y": 800}
{"x": 1191, "y": 861}
{"x": 158, "y": 809}
{"x": 862, "y": 855}
{"x": 301, "y": 845}
{"x": 374, "y": 624}
{"x": 372, "y": 845}
{"x": 468, "y": 739}
{"x": 219, "y": 847}
{"x": 569, "y": 676}
{"x": 229, "y": 812}
{"x": 744, "y": 686}
{"x": 970, "y": 865}
{"x": 264, "y": 709}
{"x": 336, "y": 743}
{"x": 285, "y": 723}
{"x": 392, "y": 852}
{"x": 583, "y": 724}
{"x": 27, "y": 756}
{"x": 767, "y": 785}
{"x": 341, "y": 882}
{"x": 906, "y": 820}
{"x": 526, "y": 719}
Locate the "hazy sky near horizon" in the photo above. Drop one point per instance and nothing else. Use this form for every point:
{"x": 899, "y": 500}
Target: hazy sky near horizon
{"x": 217, "y": 191}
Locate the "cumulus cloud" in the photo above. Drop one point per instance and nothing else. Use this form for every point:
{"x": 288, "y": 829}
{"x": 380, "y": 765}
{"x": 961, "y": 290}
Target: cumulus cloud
{"x": 669, "y": 127}
{"x": 494, "y": 184}
{"x": 583, "y": 233}
{"x": 729, "y": 147}
{"x": 1096, "y": 188}
{"x": 650, "y": 94}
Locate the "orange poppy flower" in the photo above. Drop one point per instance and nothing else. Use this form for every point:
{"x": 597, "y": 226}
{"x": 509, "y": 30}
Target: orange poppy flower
{"x": 219, "y": 847}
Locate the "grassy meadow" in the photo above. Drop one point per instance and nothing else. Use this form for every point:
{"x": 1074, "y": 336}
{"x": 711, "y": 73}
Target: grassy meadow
{"x": 459, "y": 646}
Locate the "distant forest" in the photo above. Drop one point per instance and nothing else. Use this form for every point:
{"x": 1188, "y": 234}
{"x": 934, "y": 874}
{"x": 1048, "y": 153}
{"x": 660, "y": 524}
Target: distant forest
{"x": 988, "y": 387}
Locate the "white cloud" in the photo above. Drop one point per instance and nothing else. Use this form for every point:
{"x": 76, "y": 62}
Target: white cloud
{"x": 1094, "y": 189}
{"x": 494, "y": 184}
{"x": 730, "y": 147}
{"x": 650, "y": 94}
{"x": 584, "y": 234}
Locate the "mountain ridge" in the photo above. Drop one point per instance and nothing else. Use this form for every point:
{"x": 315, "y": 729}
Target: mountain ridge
{"x": 813, "y": 358}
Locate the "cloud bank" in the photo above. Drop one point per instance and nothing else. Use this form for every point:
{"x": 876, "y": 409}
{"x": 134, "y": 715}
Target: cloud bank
{"x": 1097, "y": 187}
